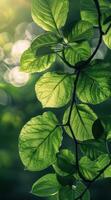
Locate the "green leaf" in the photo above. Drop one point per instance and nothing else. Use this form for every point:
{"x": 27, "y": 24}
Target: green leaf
{"x": 32, "y": 63}
{"x": 46, "y": 186}
{"x": 45, "y": 44}
{"x": 54, "y": 90}
{"x": 82, "y": 119}
{"x": 66, "y": 161}
{"x": 83, "y": 30}
{"x": 102, "y": 161}
{"x": 106, "y": 19}
{"x": 39, "y": 142}
{"x": 88, "y": 168}
{"x": 80, "y": 188}
{"x": 50, "y": 15}
{"x": 93, "y": 148}
{"x": 94, "y": 87}
{"x": 107, "y": 39}
{"x": 107, "y": 172}
{"x": 75, "y": 52}
{"x": 66, "y": 193}
{"x": 89, "y": 11}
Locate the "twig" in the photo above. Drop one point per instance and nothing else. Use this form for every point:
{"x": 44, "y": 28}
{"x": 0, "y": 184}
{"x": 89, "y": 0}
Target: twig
{"x": 107, "y": 30}
{"x": 65, "y": 61}
{"x": 100, "y": 32}
{"x": 73, "y": 96}
{"x": 77, "y": 158}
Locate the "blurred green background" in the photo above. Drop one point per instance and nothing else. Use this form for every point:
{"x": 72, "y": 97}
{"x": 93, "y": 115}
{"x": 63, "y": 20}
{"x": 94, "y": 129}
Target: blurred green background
{"x": 18, "y": 102}
{"x": 17, "y": 97}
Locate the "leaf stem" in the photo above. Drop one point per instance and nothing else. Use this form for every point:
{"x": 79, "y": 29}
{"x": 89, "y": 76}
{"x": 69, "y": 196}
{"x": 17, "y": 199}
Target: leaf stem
{"x": 107, "y": 29}
{"x": 77, "y": 157}
{"x": 100, "y": 32}
{"x": 64, "y": 60}
{"x": 73, "y": 96}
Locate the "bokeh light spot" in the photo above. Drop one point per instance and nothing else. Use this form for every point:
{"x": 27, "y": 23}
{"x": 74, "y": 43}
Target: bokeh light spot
{"x": 17, "y": 78}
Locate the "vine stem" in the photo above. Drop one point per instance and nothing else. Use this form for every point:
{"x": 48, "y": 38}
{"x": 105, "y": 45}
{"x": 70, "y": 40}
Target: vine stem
{"x": 77, "y": 157}
{"x": 107, "y": 30}
{"x": 73, "y": 96}
{"x": 78, "y": 70}
{"x": 64, "y": 60}
{"x": 88, "y": 61}
{"x": 69, "y": 124}
{"x": 100, "y": 31}
{"x": 75, "y": 87}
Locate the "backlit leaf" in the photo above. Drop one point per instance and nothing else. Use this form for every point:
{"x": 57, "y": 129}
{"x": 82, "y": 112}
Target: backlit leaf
{"x": 32, "y": 63}
{"x": 82, "y": 119}
{"x": 88, "y": 168}
{"x": 39, "y": 142}
{"x": 75, "y": 52}
{"x": 45, "y": 44}
{"x": 50, "y": 15}
{"x": 54, "y": 90}
{"x": 46, "y": 186}
{"x": 107, "y": 39}
{"x": 94, "y": 85}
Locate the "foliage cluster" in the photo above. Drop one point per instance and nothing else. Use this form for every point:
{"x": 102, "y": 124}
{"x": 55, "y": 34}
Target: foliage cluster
{"x": 85, "y": 81}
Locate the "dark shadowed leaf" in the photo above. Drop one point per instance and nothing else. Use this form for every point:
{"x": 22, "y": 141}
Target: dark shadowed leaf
{"x": 66, "y": 180}
{"x": 98, "y": 129}
{"x": 66, "y": 193}
{"x": 93, "y": 148}
{"x": 83, "y": 30}
{"x": 80, "y": 187}
{"x": 66, "y": 161}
